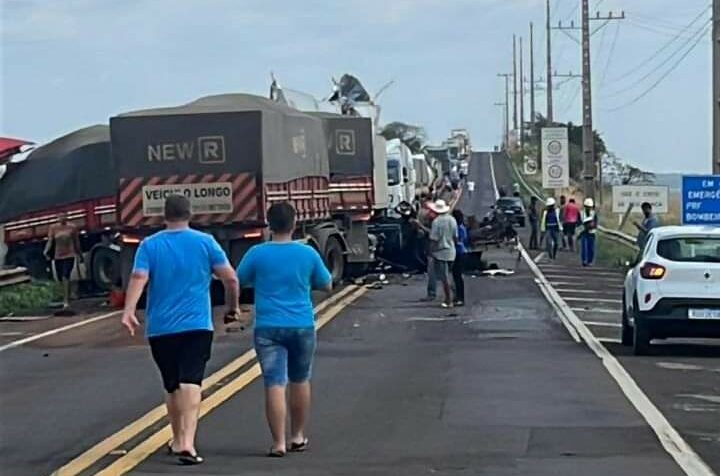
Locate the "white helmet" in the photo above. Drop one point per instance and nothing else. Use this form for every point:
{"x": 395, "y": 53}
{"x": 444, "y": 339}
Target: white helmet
{"x": 550, "y": 202}
{"x": 589, "y": 202}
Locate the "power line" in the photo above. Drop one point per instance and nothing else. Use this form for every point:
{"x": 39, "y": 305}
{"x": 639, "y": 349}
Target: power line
{"x": 659, "y": 51}
{"x": 610, "y": 55}
{"x": 655, "y": 30}
{"x": 665, "y": 61}
{"x": 666, "y": 74}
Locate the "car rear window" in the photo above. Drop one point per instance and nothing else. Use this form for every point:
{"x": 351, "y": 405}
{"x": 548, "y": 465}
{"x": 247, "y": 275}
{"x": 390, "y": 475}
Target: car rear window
{"x": 509, "y": 202}
{"x": 700, "y": 249}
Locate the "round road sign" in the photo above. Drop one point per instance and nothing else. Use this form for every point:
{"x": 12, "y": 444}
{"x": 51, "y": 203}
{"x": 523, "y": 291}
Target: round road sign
{"x": 554, "y": 147}
{"x": 555, "y": 171}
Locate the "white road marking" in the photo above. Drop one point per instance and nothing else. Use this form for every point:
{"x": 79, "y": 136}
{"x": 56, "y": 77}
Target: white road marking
{"x": 58, "y": 330}
{"x": 583, "y": 272}
{"x": 602, "y": 324}
{"x": 594, "y": 278}
{"x": 585, "y": 299}
{"x": 688, "y": 460}
{"x": 706, "y": 398}
{"x": 598, "y": 310}
{"x": 23, "y": 318}
{"x": 580, "y": 291}
{"x": 539, "y": 257}
{"x": 610, "y": 340}
{"x": 12, "y": 334}
{"x": 432, "y": 319}
{"x": 678, "y": 366}
{"x": 567, "y": 283}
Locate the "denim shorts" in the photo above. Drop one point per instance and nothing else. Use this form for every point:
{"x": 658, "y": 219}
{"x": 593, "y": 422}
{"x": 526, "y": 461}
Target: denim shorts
{"x": 285, "y": 354}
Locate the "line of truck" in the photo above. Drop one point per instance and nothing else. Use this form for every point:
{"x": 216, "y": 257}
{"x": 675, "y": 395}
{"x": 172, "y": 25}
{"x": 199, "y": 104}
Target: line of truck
{"x": 233, "y": 155}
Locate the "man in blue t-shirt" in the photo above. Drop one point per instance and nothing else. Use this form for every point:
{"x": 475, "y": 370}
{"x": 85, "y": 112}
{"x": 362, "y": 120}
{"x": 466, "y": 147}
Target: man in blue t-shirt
{"x": 179, "y": 263}
{"x": 284, "y": 273}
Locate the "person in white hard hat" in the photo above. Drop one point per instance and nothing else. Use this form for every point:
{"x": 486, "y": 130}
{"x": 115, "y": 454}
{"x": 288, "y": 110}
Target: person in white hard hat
{"x": 550, "y": 227}
{"x": 589, "y": 221}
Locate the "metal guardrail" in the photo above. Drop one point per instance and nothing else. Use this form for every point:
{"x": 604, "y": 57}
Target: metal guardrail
{"x": 12, "y": 276}
{"x": 615, "y": 235}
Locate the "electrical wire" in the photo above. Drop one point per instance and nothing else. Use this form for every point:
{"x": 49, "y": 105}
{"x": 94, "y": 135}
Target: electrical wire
{"x": 669, "y": 58}
{"x": 610, "y": 55}
{"x": 666, "y": 74}
{"x": 660, "y": 50}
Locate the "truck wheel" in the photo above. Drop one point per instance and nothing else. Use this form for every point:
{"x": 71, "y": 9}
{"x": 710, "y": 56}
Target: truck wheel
{"x": 105, "y": 269}
{"x": 335, "y": 259}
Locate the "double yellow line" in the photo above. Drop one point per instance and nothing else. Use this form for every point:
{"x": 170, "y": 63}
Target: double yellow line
{"x": 326, "y": 310}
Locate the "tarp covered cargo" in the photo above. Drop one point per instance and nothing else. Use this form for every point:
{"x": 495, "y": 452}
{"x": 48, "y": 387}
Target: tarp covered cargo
{"x": 349, "y": 143}
{"x": 236, "y": 144}
{"x": 414, "y": 137}
{"x": 75, "y": 167}
{"x": 258, "y": 135}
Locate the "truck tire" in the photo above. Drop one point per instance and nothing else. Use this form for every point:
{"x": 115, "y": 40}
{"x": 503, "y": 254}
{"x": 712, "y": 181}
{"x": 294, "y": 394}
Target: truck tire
{"x": 105, "y": 269}
{"x": 334, "y": 259}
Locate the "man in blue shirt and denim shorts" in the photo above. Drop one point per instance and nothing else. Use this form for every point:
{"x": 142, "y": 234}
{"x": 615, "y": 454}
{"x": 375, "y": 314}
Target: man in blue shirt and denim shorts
{"x": 283, "y": 273}
{"x": 179, "y": 262}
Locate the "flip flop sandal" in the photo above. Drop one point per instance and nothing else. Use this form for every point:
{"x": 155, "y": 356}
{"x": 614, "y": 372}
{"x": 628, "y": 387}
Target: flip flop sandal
{"x": 299, "y": 447}
{"x": 273, "y": 453}
{"x": 188, "y": 459}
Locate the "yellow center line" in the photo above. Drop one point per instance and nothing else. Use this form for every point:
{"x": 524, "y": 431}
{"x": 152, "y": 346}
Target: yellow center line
{"x": 114, "y": 441}
{"x": 157, "y": 440}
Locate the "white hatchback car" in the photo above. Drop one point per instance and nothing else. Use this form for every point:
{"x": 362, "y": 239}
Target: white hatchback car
{"x": 674, "y": 289}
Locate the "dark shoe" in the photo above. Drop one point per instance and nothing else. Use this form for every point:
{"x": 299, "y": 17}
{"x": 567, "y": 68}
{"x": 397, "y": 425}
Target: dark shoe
{"x": 188, "y": 459}
{"x": 273, "y": 453}
{"x": 299, "y": 447}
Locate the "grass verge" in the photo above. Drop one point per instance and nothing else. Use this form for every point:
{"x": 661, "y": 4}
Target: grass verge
{"x": 27, "y": 298}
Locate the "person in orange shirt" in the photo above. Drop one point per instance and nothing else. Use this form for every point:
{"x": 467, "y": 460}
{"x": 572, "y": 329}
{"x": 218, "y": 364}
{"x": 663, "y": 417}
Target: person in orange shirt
{"x": 571, "y": 218}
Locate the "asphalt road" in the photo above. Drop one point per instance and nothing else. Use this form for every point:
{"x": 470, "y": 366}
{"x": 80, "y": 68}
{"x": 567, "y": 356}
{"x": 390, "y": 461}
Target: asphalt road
{"x": 401, "y": 387}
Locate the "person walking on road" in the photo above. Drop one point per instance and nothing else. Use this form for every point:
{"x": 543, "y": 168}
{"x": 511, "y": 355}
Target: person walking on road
{"x": 461, "y": 249}
{"x": 283, "y": 273}
{"x": 571, "y": 218}
{"x": 550, "y": 227}
{"x": 534, "y": 221}
{"x": 470, "y": 187}
{"x": 178, "y": 263}
{"x": 650, "y": 221}
{"x": 588, "y": 234}
{"x": 63, "y": 248}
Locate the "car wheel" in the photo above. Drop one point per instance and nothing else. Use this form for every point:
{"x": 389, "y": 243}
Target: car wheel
{"x": 627, "y": 331}
{"x": 641, "y": 334}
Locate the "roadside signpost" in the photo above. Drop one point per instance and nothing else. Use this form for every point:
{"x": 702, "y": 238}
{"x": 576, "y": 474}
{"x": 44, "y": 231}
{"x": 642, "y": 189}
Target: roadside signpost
{"x": 701, "y": 200}
{"x": 624, "y": 196}
{"x": 555, "y": 158}
{"x": 530, "y": 165}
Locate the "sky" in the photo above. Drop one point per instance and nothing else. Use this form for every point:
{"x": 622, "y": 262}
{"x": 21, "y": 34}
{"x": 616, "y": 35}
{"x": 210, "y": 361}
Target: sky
{"x": 72, "y": 63}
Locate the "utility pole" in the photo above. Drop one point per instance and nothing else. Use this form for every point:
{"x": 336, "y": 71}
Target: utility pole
{"x": 532, "y": 79}
{"x": 505, "y": 122}
{"x": 515, "y": 121}
{"x": 522, "y": 98}
{"x": 590, "y": 163}
{"x": 548, "y": 33}
{"x": 716, "y": 86}
{"x": 507, "y": 107}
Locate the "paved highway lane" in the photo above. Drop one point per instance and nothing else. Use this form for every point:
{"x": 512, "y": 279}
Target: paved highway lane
{"x": 402, "y": 387}
{"x": 681, "y": 379}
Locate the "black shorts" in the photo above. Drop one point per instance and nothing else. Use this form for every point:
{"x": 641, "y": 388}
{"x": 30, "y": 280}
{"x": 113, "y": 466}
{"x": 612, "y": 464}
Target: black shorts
{"x": 181, "y": 357}
{"x": 63, "y": 268}
{"x": 569, "y": 228}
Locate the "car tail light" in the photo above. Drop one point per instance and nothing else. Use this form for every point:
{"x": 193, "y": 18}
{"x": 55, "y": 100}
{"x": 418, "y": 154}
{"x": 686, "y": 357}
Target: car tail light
{"x": 652, "y": 271}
